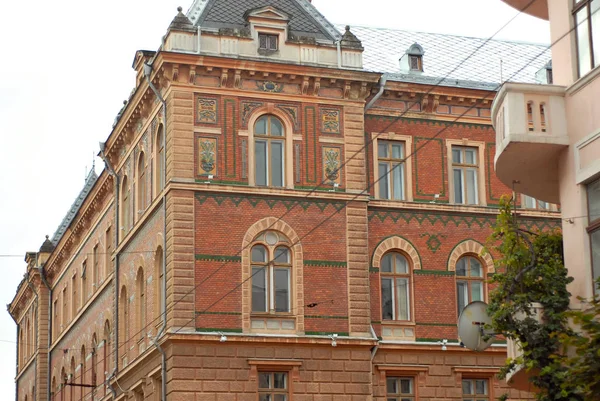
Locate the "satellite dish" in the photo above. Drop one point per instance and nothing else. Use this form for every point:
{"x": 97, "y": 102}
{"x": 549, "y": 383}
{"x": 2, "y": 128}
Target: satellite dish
{"x": 471, "y": 323}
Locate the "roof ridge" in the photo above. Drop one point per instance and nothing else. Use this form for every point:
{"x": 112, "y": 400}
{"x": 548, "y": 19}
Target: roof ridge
{"x": 338, "y": 26}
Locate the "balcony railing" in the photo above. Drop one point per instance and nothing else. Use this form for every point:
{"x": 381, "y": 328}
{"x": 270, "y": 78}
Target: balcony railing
{"x": 531, "y": 130}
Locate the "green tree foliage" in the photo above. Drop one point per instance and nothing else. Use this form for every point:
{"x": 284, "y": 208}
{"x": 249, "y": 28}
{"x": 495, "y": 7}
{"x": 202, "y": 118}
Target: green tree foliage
{"x": 532, "y": 271}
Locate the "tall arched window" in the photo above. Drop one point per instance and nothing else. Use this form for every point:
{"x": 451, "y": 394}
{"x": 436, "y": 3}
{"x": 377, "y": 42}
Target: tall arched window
{"x": 125, "y": 206}
{"x": 141, "y": 303}
{"x": 72, "y": 379}
{"x": 94, "y": 367}
{"x": 107, "y": 357}
{"x": 141, "y": 184}
{"x": 269, "y": 152}
{"x": 271, "y": 274}
{"x": 158, "y": 273}
{"x": 159, "y": 170}
{"x": 21, "y": 347}
{"x": 469, "y": 281}
{"x": 395, "y": 287}
{"x": 28, "y": 341}
{"x": 83, "y": 372}
{"x": 124, "y": 319}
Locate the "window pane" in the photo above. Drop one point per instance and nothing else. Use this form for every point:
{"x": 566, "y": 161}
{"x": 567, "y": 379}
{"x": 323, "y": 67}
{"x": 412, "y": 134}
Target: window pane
{"x": 398, "y": 180}
{"x": 259, "y": 289}
{"x": 392, "y": 385}
{"x": 481, "y": 387}
{"x": 593, "y": 192}
{"x": 583, "y": 42}
{"x": 471, "y": 156}
{"x": 280, "y": 380}
{"x": 528, "y": 202}
{"x": 277, "y": 163}
{"x": 476, "y": 291}
{"x": 401, "y": 263}
{"x": 264, "y": 380}
{"x": 280, "y": 397}
{"x": 261, "y": 126}
{"x": 398, "y": 150}
{"x": 386, "y": 263}
{"x": 260, "y": 161}
{"x": 462, "y": 295}
{"x": 472, "y": 187}
{"x": 461, "y": 267}
{"x": 458, "y": 186}
{"x": 382, "y": 149}
{"x": 262, "y": 39}
{"x": 403, "y": 294}
{"x": 595, "y": 243}
{"x": 282, "y": 290}
{"x": 282, "y": 255}
{"x": 259, "y": 254}
{"x": 383, "y": 179}
{"x": 265, "y": 397}
{"x": 476, "y": 270}
{"x": 276, "y": 127}
{"x": 406, "y": 386}
{"x": 595, "y": 11}
{"x": 467, "y": 387}
{"x": 387, "y": 300}
{"x": 457, "y": 156}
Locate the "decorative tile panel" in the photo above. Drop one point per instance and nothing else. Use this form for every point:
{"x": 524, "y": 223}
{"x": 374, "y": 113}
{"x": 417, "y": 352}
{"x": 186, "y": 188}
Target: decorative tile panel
{"x": 206, "y": 149}
{"x": 332, "y": 157}
{"x": 331, "y": 121}
{"x": 247, "y": 107}
{"x": 293, "y": 112}
{"x": 207, "y": 110}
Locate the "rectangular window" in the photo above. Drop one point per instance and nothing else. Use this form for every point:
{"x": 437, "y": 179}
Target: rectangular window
{"x": 259, "y": 289}
{"x": 416, "y": 63}
{"x": 391, "y": 170}
{"x": 267, "y": 42}
{"x": 587, "y": 22}
{"x": 64, "y": 311}
{"x": 96, "y": 278}
{"x": 74, "y": 299}
{"x": 469, "y": 282}
{"x": 593, "y": 193}
{"x": 108, "y": 251}
{"x": 282, "y": 289}
{"x": 273, "y": 386}
{"x": 532, "y": 203}
{"x": 395, "y": 287}
{"x": 465, "y": 170}
{"x": 83, "y": 283}
{"x": 400, "y": 389}
{"x": 260, "y": 158}
{"x": 475, "y": 390}
{"x": 56, "y": 318}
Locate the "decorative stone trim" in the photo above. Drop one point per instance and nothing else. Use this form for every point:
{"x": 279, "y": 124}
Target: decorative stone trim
{"x": 474, "y": 248}
{"x": 399, "y": 243}
{"x": 273, "y": 224}
{"x": 290, "y": 365}
{"x": 419, "y": 371}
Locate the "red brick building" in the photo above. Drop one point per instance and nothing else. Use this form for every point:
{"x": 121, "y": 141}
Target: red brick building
{"x": 286, "y": 213}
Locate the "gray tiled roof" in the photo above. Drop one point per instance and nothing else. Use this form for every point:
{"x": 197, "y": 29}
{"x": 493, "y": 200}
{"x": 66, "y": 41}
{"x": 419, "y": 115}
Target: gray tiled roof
{"x": 62, "y": 228}
{"x": 305, "y": 19}
{"x": 518, "y": 61}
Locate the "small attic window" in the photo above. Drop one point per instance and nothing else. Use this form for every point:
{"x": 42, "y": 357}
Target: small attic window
{"x": 268, "y": 42}
{"x": 416, "y": 63}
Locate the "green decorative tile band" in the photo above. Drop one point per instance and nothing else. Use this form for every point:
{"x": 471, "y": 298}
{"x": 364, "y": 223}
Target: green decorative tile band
{"x": 326, "y": 317}
{"x": 320, "y": 188}
{"x": 428, "y": 122}
{"x": 373, "y": 269}
{"x": 325, "y": 263}
{"x": 199, "y": 313}
{"x": 376, "y": 321}
{"x": 218, "y": 258}
{"x": 271, "y": 202}
{"x": 210, "y": 330}
{"x": 433, "y": 272}
{"x": 438, "y": 324}
{"x": 326, "y": 333}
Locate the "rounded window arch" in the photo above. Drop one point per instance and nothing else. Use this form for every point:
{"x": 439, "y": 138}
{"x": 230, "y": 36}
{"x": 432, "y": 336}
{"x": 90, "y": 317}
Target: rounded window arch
{"x": 470, "y": 284}
{"x": 271, "y": 260}
{"x": 269, "y": 152}
{"x": 396, "y": 286}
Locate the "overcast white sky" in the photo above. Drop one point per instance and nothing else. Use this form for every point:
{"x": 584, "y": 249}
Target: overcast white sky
{"x": 65, "y": 68}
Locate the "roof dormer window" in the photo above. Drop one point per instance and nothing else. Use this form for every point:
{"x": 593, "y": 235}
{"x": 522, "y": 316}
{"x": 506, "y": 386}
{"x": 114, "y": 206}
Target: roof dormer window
{"x": 267, "y": 42}
{"x": 416, "y": 62}
{"x": 412, "y": 60}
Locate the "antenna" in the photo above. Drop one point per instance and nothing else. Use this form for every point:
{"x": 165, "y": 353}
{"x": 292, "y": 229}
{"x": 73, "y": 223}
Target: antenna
{"x": 471, "y": 327}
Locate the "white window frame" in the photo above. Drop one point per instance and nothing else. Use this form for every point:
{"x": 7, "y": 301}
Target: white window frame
{"x": 408, "y": 179}
{"x": 481, "y": 170}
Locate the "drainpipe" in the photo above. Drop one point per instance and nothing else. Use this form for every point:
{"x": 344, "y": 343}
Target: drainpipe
{"x": 376, "y": 347}
{"x": 115, "y": 176}
{"x": 34, "y": 326}
{"x": 110, "y": 387}
{"x": 147, "y": 73}
{"x": 382, "y": 82}
{"x": 339, "y": 53}
{"x": 47, "y": 284}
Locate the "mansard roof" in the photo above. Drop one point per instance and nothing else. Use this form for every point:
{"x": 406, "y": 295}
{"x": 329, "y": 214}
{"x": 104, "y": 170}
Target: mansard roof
{"x": 89, "y": 184}
{"x": 463, "y": 61}
{"x": 305, "y": 19}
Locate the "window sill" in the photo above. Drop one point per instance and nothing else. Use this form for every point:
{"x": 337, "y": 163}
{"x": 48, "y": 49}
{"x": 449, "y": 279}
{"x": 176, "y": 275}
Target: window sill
{"x": 266, "y": 323}
{"x": 583, "y": 81}
{"x": 399, "y": 332}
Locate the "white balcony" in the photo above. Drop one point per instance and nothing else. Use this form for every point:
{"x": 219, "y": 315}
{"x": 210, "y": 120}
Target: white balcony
{"x": 531, "y": 131}
{"x": 518, "y": 378}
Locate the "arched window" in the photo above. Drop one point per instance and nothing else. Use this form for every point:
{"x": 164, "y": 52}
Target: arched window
{"x": 141, "y": 303}
{"x": 94, "y": 367}
{"x": 53, "y": 389}
{"x": 158, "y": 273}
{"x": 124, "y": 319}
{"x": 141, "y": 184}
{"x": 396, "y": 297}
{"x": 469, "y": 281}
{"x": 271, "y": 274}
{"x": 21, "y": 346}
{"x": 72, "y": 378}
{"x": 83, "y": 372}
{"x": 159, "y": 170}
{"x": 269, "y": 152}
{"x": 107, "y": 357}
{"x": 125, "y": 206}
{"x": 28, "y": 341}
